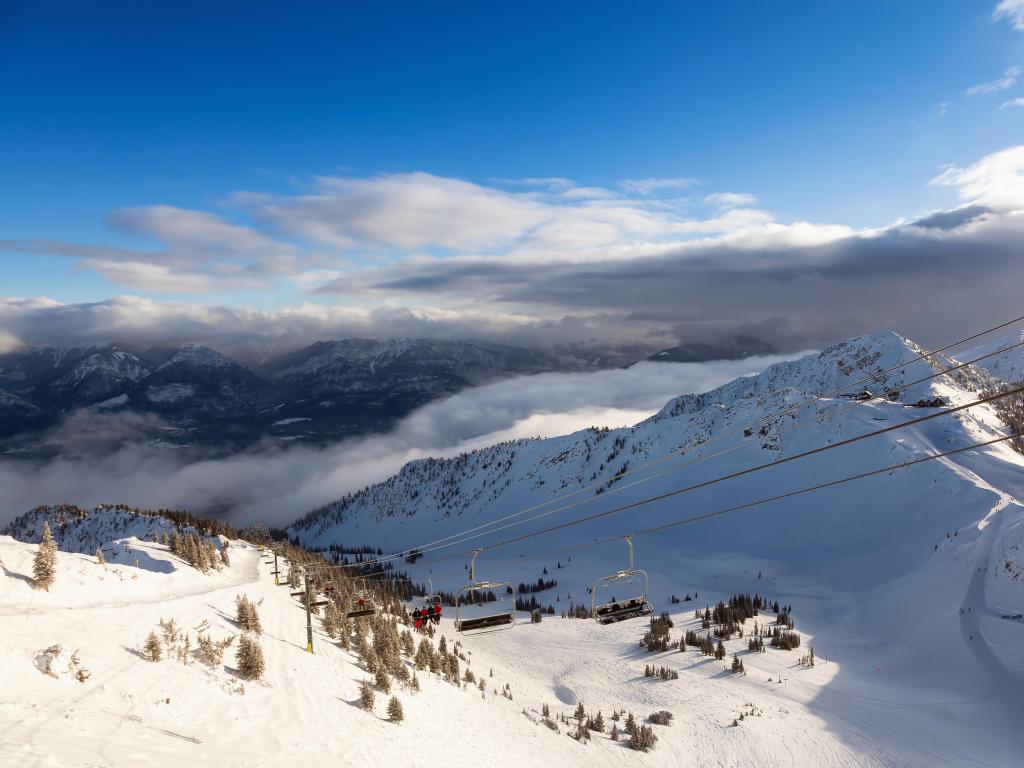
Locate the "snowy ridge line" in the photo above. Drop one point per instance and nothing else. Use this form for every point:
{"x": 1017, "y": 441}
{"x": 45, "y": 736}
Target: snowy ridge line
{"x": 819, "y": 418}
{"x": 751, "y": 470}
{"x": 446, "y": 541}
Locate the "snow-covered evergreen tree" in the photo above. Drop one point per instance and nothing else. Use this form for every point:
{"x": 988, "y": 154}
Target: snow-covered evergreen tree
{"x": 151, "y": 651}
{"x": 395, "y": 713}
{"x": 249, "y": 658}
{"x": 366, "y": 696}
{"x": 44, "y": 568}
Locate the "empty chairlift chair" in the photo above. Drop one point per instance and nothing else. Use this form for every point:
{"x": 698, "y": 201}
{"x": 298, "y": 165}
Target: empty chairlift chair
{"x": 621, "y": 596}
{"x": 476, "y": 612}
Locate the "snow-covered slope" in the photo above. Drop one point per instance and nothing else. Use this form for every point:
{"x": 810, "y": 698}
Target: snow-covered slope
{"x": 1007, "y": 366}
{"x": 431, "y": 498}
{"x": 879, "y": 569}
{"x": 304, "y": 711}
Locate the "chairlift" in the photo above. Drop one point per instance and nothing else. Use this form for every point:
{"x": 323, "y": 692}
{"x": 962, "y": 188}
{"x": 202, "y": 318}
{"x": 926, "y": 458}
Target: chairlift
{"x": 429, "y": 609}
{"x": 361, "y": 603}
{"x": 633, "y": 580}
{"x": 474, "y": 594}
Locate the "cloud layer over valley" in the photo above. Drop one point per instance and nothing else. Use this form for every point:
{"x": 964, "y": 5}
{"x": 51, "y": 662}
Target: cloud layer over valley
{"x": 277, "y": 483}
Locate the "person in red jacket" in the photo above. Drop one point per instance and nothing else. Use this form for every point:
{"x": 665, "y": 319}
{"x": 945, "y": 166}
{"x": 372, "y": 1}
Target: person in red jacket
{"x": 417, "y": 619}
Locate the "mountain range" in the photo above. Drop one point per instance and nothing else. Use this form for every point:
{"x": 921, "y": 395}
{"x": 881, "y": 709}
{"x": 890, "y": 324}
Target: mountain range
{"x": 195, "y": 395}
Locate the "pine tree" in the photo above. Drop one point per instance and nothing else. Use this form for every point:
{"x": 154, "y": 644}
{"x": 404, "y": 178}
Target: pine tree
{"x": 630, "y": 726}
{"x": 249, "y": 658}
{"x": 366, "y": 696}
{"x": 176, "y": 547}
{"x": 247, "y": 617}
{"x": 225, "y": 558}
{"x": 395, "y": 714}
{"x": 382, "y": 681}
{"x": 614, "y": 735}
{"x": 99, "y": 556}
{"x": 44, "y": 568}
{"x": 151, "y": 651}
{"x": 202, "y": 557}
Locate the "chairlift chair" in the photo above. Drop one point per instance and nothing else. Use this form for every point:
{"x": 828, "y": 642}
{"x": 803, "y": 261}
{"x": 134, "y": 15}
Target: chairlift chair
{"x": 611, "y": 610}
{"x": 361, "y": 603}
{"x": 430, "y": 608}
{"x": 490, "y": 622}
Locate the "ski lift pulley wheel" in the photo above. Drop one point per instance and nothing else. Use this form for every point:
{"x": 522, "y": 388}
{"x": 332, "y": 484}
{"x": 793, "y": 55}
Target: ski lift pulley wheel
{"x": 492, "y": 622}
{"x": 619, "y": 610}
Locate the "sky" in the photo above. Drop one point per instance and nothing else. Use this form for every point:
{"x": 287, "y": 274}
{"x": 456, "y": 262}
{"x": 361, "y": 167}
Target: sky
{"x": 269, "y": 174}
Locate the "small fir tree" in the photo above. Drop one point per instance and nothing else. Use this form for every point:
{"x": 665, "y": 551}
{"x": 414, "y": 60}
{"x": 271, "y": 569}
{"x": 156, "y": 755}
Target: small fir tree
{"x": 366, "y": 696}
{"x": 99, "y": 556}
{"x": 151, "y": 650}
{"x": 395, "y": 713}
{"x": 44, "y": 568}
{"x": 249, "y": 658}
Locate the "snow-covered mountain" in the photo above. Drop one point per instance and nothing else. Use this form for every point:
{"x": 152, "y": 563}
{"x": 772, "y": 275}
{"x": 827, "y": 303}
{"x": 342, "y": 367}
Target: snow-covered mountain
{"x": 447, "y": 495}
{"x": 918, "y": 572}
{"x": 326, "y": 391}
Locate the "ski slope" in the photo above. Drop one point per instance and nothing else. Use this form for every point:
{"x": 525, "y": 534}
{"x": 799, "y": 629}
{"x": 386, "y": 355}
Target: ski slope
{"x": 131, "y": 711}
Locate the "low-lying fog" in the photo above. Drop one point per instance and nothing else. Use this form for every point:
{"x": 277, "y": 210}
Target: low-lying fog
{"x": 276, "y": 483}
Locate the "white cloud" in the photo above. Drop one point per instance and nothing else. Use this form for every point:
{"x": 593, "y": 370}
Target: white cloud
{"x": 1018, "y": 102}
{"x": 731, "y": 199}
{"x": 1008, "y": 80}
{"x": 1012, "y": 11}
{"x": 650, "y": 185}
{"x": 199, "y": 252}
{"x": 407, "y": 211}
{"x": 996, "y": 179}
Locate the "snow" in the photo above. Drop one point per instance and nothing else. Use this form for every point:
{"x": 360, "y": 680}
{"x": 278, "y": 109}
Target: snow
{"x": 130, "y": 711}
{"x": 294, "y": 420}
{"x": 1007, "y": 366}
{"x": 868, "y": 565}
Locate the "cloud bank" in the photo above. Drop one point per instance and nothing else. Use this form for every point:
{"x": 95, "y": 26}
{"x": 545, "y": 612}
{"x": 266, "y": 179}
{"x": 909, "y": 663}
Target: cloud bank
{"x": 544, "y": 262}
{"x": 277, "y": 484}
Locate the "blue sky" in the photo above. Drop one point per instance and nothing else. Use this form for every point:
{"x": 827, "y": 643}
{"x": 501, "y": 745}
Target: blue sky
{"x": 830, "y": 113}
